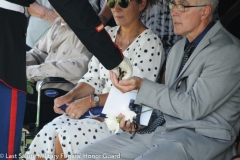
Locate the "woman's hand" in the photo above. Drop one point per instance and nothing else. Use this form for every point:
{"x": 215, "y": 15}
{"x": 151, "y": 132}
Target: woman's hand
{"x": 77, "y": 108}
{"x": 58, "y": 102}
{"x": 126, "y": 85}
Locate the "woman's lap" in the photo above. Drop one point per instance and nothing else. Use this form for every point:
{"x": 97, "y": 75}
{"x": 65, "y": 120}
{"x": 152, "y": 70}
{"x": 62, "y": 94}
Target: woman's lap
{"x": 73, "y": 134}
{"x": 81, "y": 133}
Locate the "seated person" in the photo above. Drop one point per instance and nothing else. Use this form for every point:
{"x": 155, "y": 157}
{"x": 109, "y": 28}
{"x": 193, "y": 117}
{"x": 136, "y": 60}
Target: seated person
{"x": 41, "y": 17}
{"x": 59, "y": 54}
{"x": 156, "y": 17}
{"x": 199, "y": 101}
{"x": 140, "y": 45}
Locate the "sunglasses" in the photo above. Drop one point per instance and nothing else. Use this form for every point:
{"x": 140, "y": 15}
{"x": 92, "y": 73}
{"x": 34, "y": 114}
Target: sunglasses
{"x": 122, "y": 3}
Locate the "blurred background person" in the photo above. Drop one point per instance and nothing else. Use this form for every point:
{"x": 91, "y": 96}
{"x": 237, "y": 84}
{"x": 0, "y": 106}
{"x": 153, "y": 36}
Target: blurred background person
{"x": 41, "y": 18}
{"x": 59, "y": 54}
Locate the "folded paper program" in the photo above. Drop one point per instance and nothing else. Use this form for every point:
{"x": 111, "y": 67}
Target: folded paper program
{"x": 117, "y": 102}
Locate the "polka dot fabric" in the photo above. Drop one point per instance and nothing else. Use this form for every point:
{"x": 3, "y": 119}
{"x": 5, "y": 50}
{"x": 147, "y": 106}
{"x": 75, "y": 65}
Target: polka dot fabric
{"x": 73, "y": 135}
{"x": 145, "y": 54}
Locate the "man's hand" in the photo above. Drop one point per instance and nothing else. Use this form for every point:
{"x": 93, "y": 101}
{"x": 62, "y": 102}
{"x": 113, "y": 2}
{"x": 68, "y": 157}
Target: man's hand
{"x": 126, "y": 125}
{"x": 125, "y": 85}
{"x": 50, "y": 16}
{"x": 40, "y": 11}
{"x": 125, "y": 66}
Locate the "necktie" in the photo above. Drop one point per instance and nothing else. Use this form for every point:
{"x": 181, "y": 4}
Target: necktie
{"x": 187, "y": 53}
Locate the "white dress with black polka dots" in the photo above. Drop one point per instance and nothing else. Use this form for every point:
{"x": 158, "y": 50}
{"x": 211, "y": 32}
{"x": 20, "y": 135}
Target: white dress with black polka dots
{"x": 146, "y": 55}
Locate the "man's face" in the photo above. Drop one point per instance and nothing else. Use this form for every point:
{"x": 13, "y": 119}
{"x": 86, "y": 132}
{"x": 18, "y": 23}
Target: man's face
{"x": 186, "y": 23}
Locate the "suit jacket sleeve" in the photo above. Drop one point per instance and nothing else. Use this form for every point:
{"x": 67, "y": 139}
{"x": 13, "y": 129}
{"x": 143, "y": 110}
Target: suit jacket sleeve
{"x": 82, "y": 19}
{"x": 217, "y": 82}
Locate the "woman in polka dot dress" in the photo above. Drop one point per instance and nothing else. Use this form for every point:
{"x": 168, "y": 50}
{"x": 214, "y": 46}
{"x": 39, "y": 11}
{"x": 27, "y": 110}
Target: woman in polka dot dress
{"x": 67, "y": 134}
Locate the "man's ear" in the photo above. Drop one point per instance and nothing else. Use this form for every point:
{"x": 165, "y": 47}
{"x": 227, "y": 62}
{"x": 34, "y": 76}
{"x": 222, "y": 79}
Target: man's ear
{"x": 205, "y": 12}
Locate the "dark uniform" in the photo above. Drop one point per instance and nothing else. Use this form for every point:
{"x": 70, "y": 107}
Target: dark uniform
{"x": 84, "y": 22}
{"x": 12, "y": 77}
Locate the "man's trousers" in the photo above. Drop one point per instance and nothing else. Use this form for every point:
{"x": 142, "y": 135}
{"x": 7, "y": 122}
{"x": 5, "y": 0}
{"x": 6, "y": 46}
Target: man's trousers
{"x": 12, "y": 107}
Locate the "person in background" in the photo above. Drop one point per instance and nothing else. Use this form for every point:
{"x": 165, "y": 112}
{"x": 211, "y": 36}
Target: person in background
{"x": 41, "y": 18}
{"x": 59, "y": 54}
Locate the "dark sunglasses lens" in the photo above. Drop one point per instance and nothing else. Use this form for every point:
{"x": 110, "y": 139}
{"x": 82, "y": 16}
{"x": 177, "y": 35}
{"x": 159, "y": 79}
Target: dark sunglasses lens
{"x": 111, "y": 3}
{"x": 123, "y": 3}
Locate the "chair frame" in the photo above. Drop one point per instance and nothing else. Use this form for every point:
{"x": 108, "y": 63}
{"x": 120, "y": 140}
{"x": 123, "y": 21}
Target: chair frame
{"x": 41, "y": 84}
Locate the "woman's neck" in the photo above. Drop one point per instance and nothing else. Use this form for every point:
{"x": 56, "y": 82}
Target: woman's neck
{"x": 126, "y": 35}
{"x": 129, "y": 31}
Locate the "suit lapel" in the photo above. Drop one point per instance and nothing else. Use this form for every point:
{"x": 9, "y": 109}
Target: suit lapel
{"x": 174, "y": 61}
{"x": 203, "y": 44}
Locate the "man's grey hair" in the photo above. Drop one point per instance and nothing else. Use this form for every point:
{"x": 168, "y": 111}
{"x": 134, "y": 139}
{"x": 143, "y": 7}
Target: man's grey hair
{"x": 212, "y": 3}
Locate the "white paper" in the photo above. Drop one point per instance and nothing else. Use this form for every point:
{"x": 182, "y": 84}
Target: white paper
{"x": 117, "y": 101}
{"x": 145, "y": 117}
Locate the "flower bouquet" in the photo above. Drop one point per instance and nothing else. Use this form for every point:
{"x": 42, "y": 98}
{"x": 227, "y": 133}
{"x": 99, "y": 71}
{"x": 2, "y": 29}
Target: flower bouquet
{"x": 132, "y": 113}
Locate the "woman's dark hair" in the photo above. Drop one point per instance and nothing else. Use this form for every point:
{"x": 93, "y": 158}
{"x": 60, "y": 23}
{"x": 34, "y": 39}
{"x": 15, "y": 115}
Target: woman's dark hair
{"x": 150, "y": 3}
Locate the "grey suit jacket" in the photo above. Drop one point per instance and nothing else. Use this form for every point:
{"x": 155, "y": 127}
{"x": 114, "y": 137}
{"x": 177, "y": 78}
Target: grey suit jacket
{"x": 203, "y": 114}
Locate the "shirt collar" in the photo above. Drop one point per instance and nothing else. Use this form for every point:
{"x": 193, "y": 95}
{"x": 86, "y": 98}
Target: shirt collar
{"x": 197, "y": 40}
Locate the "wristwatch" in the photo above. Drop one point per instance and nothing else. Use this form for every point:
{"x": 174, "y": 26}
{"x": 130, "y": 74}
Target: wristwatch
{"x": 96, "y": 100}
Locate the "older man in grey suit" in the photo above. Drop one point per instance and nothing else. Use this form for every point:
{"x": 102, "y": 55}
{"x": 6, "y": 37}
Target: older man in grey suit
{"x": 200, "y": 100}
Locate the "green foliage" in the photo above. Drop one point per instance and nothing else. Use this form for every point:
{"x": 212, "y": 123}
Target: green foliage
{"x": 30, "y": 87}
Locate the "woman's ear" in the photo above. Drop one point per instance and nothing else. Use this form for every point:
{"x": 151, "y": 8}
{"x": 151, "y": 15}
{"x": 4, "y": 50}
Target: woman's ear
{"x": 143, "y": 5}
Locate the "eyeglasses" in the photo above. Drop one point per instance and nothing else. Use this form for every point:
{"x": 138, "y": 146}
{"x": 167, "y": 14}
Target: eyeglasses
{"x": 180, "y": 7}
{"x": 121, "y": 3}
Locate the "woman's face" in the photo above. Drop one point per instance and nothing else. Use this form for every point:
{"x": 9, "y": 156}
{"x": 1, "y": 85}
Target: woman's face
{"x": 125, "y": 16}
